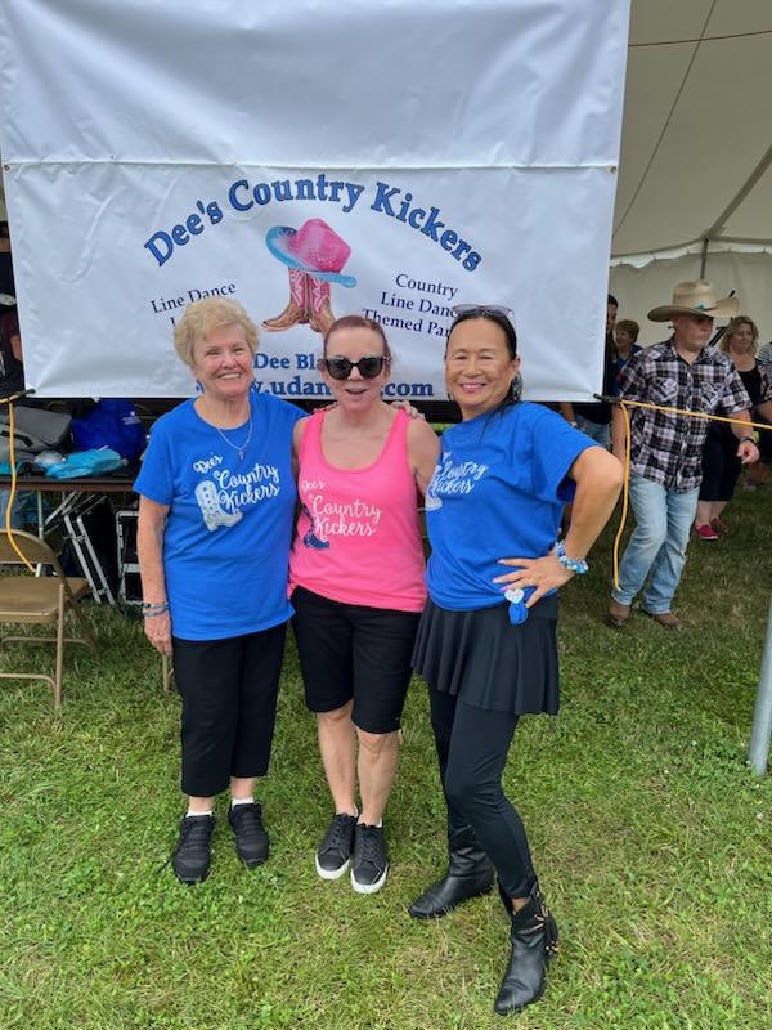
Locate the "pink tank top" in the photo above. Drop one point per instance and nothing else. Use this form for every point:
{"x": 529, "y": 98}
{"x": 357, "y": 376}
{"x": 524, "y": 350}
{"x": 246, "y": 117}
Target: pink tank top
{"x": 358, "y": 539}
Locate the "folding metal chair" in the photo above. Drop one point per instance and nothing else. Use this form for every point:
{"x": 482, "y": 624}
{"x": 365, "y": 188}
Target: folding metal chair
{"x": 41, "y": 600}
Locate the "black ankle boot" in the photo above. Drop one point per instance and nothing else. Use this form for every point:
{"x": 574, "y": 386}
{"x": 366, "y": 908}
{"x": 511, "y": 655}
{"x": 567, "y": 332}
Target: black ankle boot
{"x": 534, "y": 937}
{"x": 470, "y": 874}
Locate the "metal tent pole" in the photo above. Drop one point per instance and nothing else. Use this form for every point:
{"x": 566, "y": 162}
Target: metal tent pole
{"x": 758, "y": 751}
{"x": 704, "y": 256}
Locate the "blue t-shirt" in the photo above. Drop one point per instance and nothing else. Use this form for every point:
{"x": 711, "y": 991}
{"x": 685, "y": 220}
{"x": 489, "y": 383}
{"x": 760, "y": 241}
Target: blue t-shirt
{"x": 498, "y": 492}
{"x": 228, "y": 532}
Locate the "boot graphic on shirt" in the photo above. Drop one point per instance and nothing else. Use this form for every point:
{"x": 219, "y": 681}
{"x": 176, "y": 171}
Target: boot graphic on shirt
{"x": 208, "y": 502}
{"x": 311, "y": 539}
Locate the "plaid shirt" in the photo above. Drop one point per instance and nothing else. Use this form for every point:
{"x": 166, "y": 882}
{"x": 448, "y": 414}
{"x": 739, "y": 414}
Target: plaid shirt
{"x": 664, "y": 447}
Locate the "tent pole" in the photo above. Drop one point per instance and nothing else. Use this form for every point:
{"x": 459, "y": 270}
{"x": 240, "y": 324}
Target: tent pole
{"x": 704, "y": 257}
{"x": 758, "y": 752}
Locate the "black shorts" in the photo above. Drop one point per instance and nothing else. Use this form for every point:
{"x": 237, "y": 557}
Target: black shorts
{"x": 229, "y": 690}
{"x": 352, "y": 651}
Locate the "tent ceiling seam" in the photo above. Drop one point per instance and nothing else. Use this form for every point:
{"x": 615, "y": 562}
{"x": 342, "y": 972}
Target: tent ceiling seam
{"x": 741, "y": 194}
{"x": 701, "y": 39}
{"x": 664, "y": 129}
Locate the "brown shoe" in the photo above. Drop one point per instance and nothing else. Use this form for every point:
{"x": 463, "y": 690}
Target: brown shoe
{"x": 296, "y": 310}
{"x": 292, "y": 315}
{"x": 618, "y": 614}
{"x": 666, "y": 619}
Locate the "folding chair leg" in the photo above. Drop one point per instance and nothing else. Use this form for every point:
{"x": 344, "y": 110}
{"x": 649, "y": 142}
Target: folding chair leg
{"x": 59, "y": 652}
{"x": 90, "y": 639}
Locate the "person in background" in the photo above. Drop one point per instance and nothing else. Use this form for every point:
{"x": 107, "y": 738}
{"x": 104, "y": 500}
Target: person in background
{"x": 720, "y": 463}
{"x": 759, "y": 474}
{"x": 683, "y": 372}
{"x": 626, "y": 342}
{"x": 11, "y": 382}
{"x": 594, "y": 417}
{"x": 357, "y": 582}
{"x": 217, "y": 499}
{"x": 486, "y": 644}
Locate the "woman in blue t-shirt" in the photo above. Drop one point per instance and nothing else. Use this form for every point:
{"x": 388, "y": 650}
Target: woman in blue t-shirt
{"x": 217, "y": 498}
{"x": 486, "y": 643}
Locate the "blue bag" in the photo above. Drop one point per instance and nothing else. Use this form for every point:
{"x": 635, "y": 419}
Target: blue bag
{"x": 86, "y": 463}
{"x": 112, "y": 423}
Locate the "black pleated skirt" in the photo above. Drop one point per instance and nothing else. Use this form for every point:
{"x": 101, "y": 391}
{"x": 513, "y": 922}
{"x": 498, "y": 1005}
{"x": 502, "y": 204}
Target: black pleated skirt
{"x": 489, "y": 663}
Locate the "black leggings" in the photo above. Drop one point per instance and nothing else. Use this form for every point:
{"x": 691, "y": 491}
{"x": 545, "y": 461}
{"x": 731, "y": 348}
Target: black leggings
{"x": 472, "y": 746}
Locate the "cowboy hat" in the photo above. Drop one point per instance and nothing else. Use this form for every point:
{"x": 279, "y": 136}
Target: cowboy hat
{"x": 696, "y": 298}
{"x": 314, "y": 248}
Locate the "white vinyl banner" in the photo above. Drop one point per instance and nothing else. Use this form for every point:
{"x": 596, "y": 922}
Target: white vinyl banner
{"x": 310, "y": 158}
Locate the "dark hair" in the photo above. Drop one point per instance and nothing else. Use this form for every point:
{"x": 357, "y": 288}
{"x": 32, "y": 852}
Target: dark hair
{"x": 611, "y": 299}
{"x": 357, "y": 322}
{"x": 627, "y": 325}
{"x": 513, "y": 394}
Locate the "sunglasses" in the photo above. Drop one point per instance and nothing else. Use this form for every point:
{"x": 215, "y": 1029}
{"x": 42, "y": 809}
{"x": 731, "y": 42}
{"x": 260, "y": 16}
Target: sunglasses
{"x": 341, "y": 368}
{"x": 469, "y": 309}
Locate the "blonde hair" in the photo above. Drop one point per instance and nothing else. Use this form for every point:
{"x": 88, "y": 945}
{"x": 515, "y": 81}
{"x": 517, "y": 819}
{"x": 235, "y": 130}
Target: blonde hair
{"x": 732, "y": 328}
{"x": 202, "y": 316}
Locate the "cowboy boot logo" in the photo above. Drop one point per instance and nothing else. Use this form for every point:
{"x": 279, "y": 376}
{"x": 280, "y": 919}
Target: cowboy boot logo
{"x": 211, "y": 510}
{"x": 315, "y": 256}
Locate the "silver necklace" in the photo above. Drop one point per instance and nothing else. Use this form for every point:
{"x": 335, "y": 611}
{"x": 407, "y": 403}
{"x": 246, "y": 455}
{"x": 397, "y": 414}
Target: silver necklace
{"x": 239, "y": 448}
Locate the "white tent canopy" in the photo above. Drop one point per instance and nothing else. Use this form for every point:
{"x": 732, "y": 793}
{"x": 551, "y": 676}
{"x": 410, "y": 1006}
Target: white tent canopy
{"x": 696, "y": 149}
{"x": 695, "y": 186}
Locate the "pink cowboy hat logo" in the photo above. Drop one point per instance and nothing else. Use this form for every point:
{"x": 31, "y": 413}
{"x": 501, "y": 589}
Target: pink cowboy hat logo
{"x": 315, "y": 256}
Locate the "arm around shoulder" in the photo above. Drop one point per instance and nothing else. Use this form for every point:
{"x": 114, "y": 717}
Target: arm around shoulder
{"x": 423, "y": 446}
{"x": 297, "y": 439}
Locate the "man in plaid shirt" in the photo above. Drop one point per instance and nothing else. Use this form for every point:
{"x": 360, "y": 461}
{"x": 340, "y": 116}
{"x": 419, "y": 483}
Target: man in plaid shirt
{"x": 666, "y": 448}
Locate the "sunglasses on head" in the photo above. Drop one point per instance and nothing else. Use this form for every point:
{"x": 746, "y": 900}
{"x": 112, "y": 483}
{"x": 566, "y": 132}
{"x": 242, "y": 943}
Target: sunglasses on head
{"x": 470, "y": 309}
{"x": 341, "y": 368}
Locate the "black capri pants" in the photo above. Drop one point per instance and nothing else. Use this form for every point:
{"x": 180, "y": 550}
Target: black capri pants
{"x": 720, "y": 464}
{"x": 354, "y": 651}
{"x": 229, "y": 690}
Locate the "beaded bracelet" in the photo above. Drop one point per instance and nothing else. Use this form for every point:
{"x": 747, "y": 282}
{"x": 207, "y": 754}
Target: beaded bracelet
{"x": 149, "y": 610}
{"x": 577, "y": 565}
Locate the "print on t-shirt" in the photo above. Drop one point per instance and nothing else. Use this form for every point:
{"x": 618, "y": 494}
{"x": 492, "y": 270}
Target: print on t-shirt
{"x": 450, "y": 478}
{"x": 329, "y": 517}
{"x": 222, "y": 496}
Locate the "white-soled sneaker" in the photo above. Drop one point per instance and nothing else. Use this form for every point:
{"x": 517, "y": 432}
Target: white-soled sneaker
{"x": 371, "y": 862}
{"x": 334, "y": 854}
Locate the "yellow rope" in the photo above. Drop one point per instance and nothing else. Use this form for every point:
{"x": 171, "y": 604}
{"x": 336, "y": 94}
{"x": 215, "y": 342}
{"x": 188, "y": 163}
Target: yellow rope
{"x": 624, "y": 405}
{"x": 9, "y": 508}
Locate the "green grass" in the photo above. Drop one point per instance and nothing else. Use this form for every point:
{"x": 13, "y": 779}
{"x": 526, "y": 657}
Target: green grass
{"x": 652, "y": 837}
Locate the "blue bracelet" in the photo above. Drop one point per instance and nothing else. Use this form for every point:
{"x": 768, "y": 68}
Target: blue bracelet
{"x": 577, "y": 565}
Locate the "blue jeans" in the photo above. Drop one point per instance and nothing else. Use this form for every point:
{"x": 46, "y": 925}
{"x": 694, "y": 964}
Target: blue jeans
{"x": 657, "y": 547}
{"x": 600, "y": 434}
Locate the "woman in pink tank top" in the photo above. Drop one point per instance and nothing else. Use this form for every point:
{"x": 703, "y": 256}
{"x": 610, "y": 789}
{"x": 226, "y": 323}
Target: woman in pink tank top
{"x": 357, "y": 586}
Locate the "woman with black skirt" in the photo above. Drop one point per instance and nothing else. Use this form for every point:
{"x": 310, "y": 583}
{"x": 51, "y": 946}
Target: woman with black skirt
{"x": 486, "y": 643}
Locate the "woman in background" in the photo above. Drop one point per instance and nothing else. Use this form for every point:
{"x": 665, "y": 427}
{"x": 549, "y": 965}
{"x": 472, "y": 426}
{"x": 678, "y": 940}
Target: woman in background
{"x": 720, "y": 464}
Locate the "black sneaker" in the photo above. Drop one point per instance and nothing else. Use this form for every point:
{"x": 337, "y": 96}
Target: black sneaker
{"x": 193, "y": 853}
{"x": 332, "y": 858}
{"x": 371, "y": 863}
{"x": 251, "y": 837}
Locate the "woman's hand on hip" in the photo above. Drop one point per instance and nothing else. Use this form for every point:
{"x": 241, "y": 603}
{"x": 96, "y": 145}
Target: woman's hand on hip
{"x": 543, "y": 574}
{"x": 158, "y": 630}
